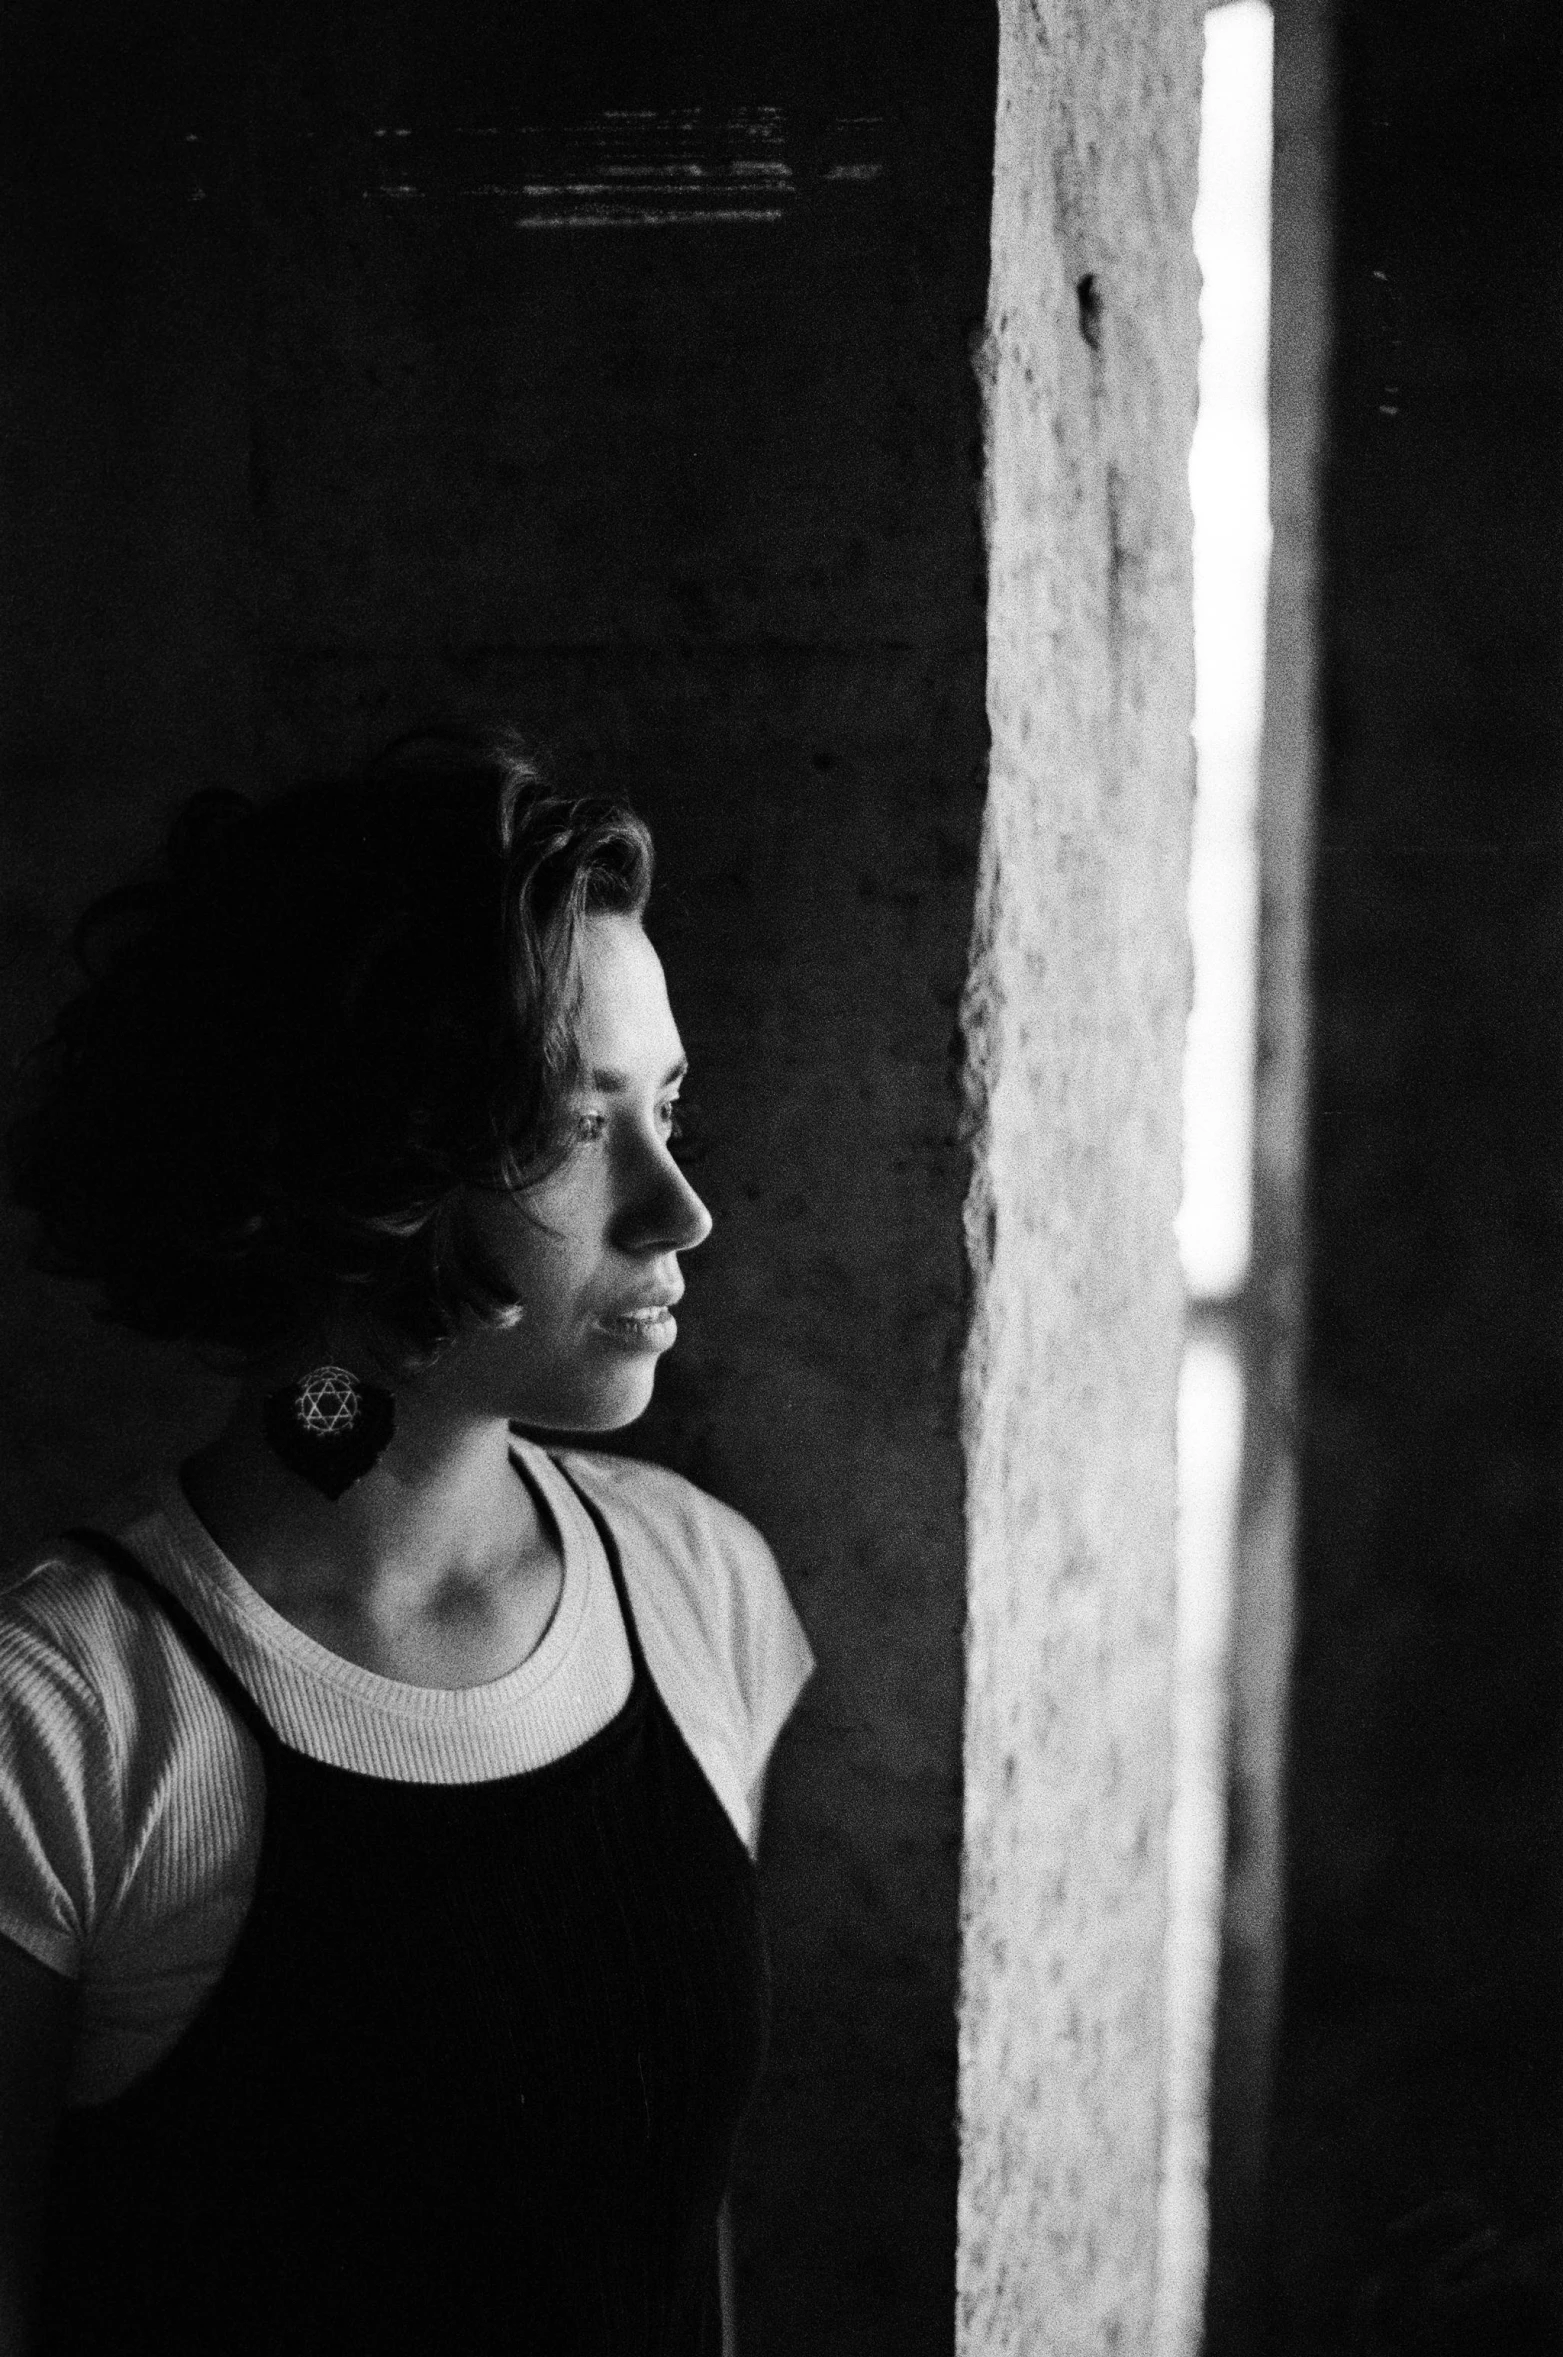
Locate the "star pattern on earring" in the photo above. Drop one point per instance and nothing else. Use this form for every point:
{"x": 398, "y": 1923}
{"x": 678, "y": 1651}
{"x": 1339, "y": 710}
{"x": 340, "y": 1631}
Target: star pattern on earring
{"x": 328, "y": 1403}
{"x": 330, "y": 1427}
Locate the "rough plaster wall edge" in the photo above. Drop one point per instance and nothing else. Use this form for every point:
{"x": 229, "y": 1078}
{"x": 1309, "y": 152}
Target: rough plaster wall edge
{"x": 1074, "y": 1015}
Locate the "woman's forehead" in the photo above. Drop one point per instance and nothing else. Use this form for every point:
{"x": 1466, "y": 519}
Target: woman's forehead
{"x": 626, "y": 1024}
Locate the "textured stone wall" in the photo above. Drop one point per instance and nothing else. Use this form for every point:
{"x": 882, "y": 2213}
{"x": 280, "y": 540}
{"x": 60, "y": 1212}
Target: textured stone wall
{"x": 1075, "y": 1019}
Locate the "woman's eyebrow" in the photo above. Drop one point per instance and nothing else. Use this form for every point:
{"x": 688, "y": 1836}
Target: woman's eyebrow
{"x": 606, "y": 1078}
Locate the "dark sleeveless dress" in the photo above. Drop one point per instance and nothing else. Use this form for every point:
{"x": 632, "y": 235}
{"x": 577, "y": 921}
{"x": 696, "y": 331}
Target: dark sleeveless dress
{"x": 469, "y": 2082}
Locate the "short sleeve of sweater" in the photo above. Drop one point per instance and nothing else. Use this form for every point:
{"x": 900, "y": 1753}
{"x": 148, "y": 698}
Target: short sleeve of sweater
{"x": 721, "y": 1636}
{"x": 61, "y": 1836}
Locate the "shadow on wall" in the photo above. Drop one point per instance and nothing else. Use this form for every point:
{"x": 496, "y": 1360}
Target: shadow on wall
{"x": 1412, "y": 2195}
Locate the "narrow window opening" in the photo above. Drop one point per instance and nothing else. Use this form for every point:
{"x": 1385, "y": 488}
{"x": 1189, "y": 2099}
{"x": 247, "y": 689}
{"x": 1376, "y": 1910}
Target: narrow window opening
{"x": 1229, "y": 483}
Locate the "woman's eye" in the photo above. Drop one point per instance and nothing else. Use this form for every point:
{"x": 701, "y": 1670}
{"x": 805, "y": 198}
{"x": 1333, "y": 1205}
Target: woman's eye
{"x": 591, "y": 1128}
{"x": 684, "y": 1133}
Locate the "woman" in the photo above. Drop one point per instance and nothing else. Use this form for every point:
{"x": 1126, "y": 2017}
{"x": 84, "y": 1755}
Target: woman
{"x": 380, "y": 1963}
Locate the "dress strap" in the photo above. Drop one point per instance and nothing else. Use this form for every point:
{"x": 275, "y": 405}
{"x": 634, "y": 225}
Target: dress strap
{"x": 195, "y": 1639}
{"x": 610, "y": 1548}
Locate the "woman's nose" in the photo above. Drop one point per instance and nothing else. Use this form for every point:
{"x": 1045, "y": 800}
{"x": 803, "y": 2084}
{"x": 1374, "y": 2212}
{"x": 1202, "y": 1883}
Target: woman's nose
{"x": 696, "y": 1218}
{"x": 666, "y": 1214}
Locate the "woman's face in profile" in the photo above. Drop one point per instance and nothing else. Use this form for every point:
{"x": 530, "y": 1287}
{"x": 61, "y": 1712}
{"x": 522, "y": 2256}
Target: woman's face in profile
{"x": 591, "y": 1252}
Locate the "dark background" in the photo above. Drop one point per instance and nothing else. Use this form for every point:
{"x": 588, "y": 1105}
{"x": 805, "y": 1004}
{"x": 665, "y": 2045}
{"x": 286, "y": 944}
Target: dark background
{"x": 310, "y": 440}
{"x": 1419, "y": 2097}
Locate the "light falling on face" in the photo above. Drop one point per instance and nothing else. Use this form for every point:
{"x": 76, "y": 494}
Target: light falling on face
{"x": 591, "y": 1252}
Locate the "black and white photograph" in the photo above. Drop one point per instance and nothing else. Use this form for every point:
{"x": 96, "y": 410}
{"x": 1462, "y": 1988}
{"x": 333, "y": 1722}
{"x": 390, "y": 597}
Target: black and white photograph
{"x": 781, "y": 1214}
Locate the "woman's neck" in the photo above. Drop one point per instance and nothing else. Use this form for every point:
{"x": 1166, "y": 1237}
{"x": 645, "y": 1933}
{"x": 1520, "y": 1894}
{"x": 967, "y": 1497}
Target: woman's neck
{"x": 436, "y": 1565}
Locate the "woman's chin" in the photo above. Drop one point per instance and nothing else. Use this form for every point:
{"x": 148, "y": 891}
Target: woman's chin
{"x": 606, "y": 1408}
{"x": 620, "y": 1415}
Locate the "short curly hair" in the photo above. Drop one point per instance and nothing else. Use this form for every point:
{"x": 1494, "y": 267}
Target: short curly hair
{"x": 297, "y": 1048}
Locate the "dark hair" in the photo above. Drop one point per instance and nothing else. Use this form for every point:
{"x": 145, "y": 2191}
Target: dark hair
{"x": 329, "y": 1016}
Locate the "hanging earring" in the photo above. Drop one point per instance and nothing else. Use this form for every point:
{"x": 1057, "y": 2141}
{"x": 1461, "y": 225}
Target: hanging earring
{"x": 329, "y": 1427}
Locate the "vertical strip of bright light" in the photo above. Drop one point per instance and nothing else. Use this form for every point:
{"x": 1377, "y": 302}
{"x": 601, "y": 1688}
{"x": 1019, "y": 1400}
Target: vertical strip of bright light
{"x": 1229, "y": 481}
{"x": 1210, "y": 1453}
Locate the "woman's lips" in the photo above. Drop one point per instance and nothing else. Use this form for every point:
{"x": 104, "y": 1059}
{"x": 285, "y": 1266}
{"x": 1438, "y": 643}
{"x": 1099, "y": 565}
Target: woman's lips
{"x": 651, "y": 1329}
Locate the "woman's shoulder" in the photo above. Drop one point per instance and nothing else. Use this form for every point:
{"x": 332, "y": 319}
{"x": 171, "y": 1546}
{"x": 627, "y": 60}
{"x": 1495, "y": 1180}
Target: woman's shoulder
{"x": 673, "y": 1514}
{"x": 89, "y": 1726}
{"x": 75, "y": 1621}
{"x": 701, "y": 1570}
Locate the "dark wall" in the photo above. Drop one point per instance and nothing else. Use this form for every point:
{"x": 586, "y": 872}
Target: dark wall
{"x": 311, "y": 439}
{"x": 1423, "y": 2030}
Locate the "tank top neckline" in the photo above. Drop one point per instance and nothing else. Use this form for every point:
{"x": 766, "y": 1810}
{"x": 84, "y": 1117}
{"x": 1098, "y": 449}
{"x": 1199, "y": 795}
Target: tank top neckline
{"x": 277, "y": 1751}
{"x": 260, "y": 1627}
